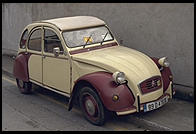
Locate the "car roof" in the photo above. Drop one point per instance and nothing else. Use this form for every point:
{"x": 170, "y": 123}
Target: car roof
{"x": 76, "y": 22}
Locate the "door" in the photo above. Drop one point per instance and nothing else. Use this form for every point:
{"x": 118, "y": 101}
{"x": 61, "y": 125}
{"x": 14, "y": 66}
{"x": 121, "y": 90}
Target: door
{"x": 56, "y": 68}
{"x": 34, "y": 47}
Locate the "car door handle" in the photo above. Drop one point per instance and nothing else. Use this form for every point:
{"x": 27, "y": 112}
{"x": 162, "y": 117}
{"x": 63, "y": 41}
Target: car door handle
{"x": 43, "y": 56}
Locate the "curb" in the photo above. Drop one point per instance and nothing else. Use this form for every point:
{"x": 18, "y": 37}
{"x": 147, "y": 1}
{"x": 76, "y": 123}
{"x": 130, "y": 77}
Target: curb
{"x": 185, "y": 95}
{"x": 7, "y": 73}
{"x": 151, "y": 126}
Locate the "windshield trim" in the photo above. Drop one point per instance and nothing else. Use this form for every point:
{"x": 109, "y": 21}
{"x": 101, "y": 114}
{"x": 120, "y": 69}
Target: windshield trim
{"x": 87, "y": 28}
{"x": 82, "y": 50}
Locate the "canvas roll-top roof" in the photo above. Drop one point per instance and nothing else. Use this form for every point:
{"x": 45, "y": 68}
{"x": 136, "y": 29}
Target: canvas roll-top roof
{"x": 68, "y": 23}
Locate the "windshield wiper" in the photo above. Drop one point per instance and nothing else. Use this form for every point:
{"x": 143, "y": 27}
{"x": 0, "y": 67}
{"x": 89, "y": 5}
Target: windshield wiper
{"x": 87, "y": 41}
{"x": 104, "y": 38}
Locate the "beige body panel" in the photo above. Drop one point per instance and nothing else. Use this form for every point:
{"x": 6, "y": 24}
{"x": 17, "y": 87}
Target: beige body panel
{"x": 35, "y": 67}
{"x": 56, "y": 72}
{"x": 80, "y": 69}
{"x": 44, "y": 68}
{"x": 136, "y": 66}
{"x": 169, "y": 90}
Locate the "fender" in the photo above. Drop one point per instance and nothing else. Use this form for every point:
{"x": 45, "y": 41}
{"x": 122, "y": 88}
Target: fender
{"x": 20, "y": 70}
{"x": 106, "y": 88}
{"x": 165, "y": 74}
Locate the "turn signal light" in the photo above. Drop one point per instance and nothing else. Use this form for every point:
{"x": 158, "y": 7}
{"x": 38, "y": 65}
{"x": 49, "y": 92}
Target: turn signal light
{"x": 115, "y": 98}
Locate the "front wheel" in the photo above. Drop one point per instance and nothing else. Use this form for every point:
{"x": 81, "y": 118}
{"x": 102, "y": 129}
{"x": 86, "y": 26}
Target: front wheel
{"x": 92, "y": 106}
{"x": 24, "y": 87}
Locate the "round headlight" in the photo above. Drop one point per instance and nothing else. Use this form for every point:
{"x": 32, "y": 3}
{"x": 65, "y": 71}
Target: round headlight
{"x": 119, "y": 77}
{"x": 163, "y": 62}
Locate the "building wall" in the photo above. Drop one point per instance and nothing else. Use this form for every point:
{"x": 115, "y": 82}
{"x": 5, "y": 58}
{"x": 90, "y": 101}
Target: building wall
{"x": 156, "y": 29}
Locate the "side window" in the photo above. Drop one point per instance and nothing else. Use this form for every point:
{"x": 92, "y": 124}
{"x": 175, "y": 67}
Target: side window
{"x": 35, "y": 40}
{"x": 23, "y": 39}
{"x": 51, "y": 40}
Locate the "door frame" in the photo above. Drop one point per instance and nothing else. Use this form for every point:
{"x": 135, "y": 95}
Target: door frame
{"x": 61, "y": 56}
{"x": 34, "y": 52}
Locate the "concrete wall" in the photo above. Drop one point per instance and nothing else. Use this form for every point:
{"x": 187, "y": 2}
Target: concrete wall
{"x": 156, "y": 29}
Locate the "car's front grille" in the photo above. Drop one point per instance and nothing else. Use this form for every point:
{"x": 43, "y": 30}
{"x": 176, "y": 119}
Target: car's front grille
{"x": 150, "y": 84}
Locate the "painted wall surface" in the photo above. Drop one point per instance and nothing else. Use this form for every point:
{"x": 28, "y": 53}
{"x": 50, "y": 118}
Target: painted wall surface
{"x": 156, "y": 29}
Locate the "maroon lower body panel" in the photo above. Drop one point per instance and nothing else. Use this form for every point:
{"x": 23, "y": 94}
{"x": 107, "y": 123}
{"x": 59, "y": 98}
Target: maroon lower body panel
{"x": 20, "y": 70}
{"x": 107, "y": 88}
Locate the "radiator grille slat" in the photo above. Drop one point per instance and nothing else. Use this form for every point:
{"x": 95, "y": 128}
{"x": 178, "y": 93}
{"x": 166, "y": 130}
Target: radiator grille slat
{"x": 151, "y": 84}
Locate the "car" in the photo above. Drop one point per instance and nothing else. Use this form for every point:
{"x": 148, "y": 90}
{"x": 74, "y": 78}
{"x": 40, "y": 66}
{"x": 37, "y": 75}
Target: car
{"x": 79, "y": 58}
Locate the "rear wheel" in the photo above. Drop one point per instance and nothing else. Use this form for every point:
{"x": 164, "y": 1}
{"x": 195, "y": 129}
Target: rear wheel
{"x": 24, "y": 87}
{"x": 92, "y": 106}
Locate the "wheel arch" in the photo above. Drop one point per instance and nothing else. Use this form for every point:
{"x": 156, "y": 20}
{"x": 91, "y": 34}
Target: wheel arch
{"x": 20, "y": 70}
{"x": 166, "y": 74}
{"x": 75, "y": 92}
{"x": 106, "y": 88}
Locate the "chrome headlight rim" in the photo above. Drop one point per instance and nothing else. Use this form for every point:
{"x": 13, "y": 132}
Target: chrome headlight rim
{"x": 119, "y": 77}
{"x": 164, "y": 62}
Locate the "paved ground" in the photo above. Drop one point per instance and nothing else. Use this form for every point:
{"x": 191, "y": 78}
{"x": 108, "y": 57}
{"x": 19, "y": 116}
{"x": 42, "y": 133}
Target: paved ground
{"x": 45, "y": 110}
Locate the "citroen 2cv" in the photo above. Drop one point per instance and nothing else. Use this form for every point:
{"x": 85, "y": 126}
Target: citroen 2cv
{"x": 79, "y": 57}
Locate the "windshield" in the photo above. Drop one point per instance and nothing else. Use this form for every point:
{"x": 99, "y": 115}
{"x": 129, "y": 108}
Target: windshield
{"x": 87, "y": 36}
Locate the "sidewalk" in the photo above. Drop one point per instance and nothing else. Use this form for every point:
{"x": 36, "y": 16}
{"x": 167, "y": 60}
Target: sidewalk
{"x": 183, "y": 93}
{"x": 7, "y": 64}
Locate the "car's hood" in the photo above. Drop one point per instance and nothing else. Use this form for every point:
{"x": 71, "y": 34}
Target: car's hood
{"x": 136, "y": 65}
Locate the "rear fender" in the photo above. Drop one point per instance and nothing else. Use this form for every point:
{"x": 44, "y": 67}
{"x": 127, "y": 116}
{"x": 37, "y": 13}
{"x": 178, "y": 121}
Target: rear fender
{"x": 20, "y": 70}
{"x": 106, "y": 88}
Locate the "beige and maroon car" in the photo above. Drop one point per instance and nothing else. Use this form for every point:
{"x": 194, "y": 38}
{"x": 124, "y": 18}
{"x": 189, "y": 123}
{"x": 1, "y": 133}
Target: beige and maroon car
{"x": 79, "y": 57}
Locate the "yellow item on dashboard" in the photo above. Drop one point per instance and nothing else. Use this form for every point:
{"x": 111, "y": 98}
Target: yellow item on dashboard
{"x": 89, "y": 39}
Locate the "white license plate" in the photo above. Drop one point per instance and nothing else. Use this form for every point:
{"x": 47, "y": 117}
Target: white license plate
{"x": 156, "y": 104}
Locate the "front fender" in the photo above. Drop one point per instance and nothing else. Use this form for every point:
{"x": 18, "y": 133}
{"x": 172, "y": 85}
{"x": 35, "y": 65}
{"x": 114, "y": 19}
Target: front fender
{"x": 166, "y": 74}
{"x": 106, "y": 88}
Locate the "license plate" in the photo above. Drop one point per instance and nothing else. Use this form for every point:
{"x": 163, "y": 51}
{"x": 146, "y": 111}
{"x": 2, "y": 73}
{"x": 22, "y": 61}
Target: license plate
{"x": 156, "y": 104}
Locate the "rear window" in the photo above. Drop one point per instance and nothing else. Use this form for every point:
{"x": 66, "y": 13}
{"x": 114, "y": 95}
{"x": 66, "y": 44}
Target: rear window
{"x": 23, "y": 39}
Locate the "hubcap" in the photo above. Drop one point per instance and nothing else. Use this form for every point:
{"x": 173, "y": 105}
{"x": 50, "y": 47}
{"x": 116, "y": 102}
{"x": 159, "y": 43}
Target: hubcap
{"x": 90, "y": 107}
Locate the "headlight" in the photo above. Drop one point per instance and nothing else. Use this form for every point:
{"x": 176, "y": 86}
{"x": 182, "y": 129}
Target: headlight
{"x": 119, "y": 77}
{"x": 163, "y": 62}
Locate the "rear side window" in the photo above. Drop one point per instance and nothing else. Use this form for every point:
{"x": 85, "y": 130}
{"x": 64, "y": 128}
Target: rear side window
{"x": 23, "y": 39}
{"x": 35, "y": 40}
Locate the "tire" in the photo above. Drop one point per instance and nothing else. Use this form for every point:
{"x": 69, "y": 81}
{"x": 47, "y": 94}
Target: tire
{"x": 92, "y": 106}
{"x": 24, "y": 87}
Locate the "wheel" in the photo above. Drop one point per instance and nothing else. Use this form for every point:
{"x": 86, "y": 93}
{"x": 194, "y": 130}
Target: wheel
{"x": 91, "y": 106}
{"x": 24, "y": 87}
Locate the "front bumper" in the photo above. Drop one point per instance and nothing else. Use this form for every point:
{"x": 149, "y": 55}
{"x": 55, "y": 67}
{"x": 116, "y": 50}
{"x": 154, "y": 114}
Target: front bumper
{"x": 140, "y": 107}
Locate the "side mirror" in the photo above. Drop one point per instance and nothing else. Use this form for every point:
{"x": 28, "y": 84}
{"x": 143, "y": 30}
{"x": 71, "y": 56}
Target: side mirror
{"x": 56, "y": 51}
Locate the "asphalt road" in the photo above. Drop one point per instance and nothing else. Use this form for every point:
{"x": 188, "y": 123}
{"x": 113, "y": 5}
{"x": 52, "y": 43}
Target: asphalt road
{"x": 47, "y": 111}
